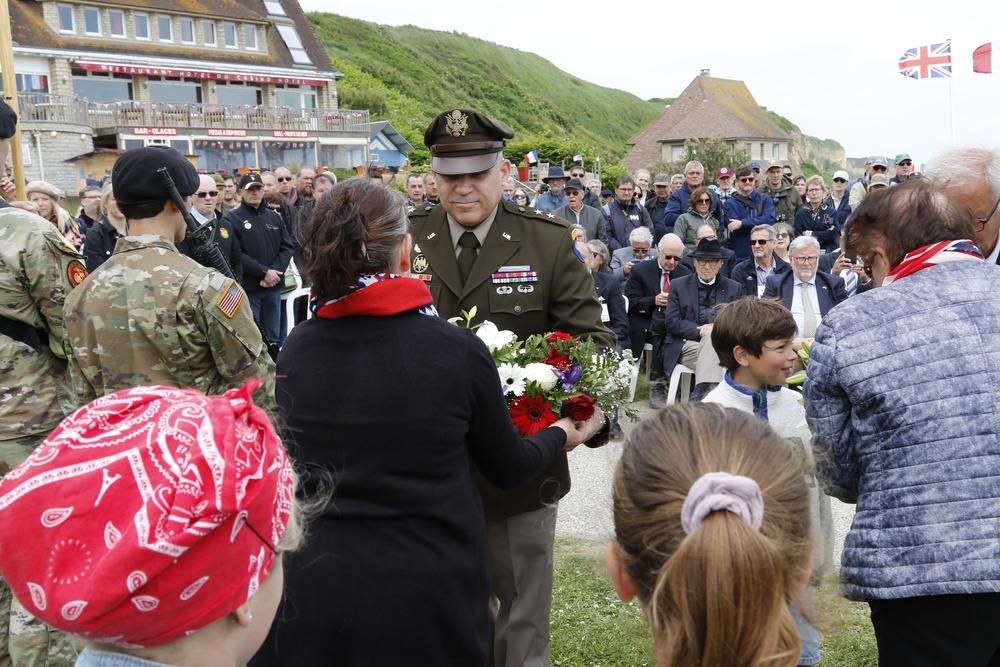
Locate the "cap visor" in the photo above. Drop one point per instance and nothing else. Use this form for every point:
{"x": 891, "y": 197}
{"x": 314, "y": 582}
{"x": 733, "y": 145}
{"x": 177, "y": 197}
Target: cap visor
{"x": 468, "y": 164}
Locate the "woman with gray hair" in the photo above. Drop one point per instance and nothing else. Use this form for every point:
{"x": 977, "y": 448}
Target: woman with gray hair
{"x": 785, "y": 233}
{"x": 901, "y": 397}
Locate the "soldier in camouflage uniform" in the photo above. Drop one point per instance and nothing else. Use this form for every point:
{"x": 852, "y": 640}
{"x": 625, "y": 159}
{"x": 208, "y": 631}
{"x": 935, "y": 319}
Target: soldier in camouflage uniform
{"x": 150, "y": 315}
{"x": 38, "y": 268}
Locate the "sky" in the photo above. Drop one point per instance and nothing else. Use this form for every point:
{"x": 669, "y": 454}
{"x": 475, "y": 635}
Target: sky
{"x": 834, "y": 74}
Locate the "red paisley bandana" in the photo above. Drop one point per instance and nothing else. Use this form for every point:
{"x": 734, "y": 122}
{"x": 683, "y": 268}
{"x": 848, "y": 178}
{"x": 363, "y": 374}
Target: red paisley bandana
{"x": 145, "y": 515}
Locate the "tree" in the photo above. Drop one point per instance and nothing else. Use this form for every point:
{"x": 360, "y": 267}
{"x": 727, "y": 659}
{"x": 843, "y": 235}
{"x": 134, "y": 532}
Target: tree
{"x": 714, "y": 153}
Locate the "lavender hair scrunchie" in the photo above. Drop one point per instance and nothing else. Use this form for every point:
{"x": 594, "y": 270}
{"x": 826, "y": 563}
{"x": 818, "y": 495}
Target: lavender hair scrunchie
{"x": 720, "y": 491}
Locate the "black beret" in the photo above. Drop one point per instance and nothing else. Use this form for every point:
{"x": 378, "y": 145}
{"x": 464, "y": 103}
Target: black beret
{"x": 136, "y": 181}
{"x": 464, "y": 141}
{"x": 8, "y": 121}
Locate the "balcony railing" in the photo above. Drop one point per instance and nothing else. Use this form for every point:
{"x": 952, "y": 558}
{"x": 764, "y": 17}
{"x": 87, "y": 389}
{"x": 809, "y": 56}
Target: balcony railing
{"x": 42, "y": 107}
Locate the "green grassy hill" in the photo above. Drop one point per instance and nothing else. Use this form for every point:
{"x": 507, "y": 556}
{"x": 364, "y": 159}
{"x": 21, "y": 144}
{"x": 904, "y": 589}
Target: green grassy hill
{"x": 409, "y": 74}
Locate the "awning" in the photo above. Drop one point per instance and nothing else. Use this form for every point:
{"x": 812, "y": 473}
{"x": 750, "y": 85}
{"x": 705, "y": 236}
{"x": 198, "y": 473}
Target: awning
{"x": 118, "y": 68}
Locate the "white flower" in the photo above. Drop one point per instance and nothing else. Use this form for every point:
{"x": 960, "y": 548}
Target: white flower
{"x": 493, "y": 337}
{"x": 511, "y": 378}
{"x": 541, "y": 374}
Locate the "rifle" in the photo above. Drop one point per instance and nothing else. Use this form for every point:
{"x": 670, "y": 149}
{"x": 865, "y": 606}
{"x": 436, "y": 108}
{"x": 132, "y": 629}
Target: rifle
{"x": 205, "y": 250}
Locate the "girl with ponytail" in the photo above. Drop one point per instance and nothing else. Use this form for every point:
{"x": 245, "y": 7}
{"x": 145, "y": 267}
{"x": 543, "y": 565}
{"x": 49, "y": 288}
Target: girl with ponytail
{"x": 712, "y": 533}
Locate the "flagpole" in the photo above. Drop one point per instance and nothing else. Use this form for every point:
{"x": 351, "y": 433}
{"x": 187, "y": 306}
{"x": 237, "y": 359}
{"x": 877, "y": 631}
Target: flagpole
{"x": 951, "y": 100}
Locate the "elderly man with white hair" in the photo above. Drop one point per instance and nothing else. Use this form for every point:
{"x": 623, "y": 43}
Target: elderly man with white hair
{"x": 972, "y": 177}
{"x": 640, "y": 248}
{"x": 805, "y": 290}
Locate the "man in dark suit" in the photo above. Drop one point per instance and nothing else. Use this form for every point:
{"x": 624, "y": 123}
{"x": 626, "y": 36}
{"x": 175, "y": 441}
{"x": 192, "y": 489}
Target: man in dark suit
{"x": 647, "y": 287}
{"x": 517, "y": 266}
{"x": 763, "y": 262}
{"x": 689, "y": 315}
{"x": 728, "y": 263}
{"x": 609, "y": 293}
{"x": 203, "y": 210}
{"x": 805, "y": 290}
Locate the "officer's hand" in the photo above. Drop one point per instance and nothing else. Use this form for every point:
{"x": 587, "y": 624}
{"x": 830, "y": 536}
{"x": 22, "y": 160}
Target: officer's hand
{"x": 578, "y": 432}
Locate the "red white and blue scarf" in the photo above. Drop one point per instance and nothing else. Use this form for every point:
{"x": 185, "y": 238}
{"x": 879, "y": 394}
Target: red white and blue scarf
{"x": 935, "y": 253}
{"x": 378, "y": 294}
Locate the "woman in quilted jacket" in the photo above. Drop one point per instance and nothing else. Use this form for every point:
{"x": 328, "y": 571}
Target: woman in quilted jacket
{"x": 902, "y": 394}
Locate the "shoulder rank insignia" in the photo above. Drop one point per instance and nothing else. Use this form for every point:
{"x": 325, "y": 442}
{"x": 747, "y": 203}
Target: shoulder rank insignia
{"x": 76, "y": 272}
{"x": 230, "y": 300}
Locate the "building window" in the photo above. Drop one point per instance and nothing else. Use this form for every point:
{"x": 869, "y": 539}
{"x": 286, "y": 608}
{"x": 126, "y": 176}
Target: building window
{"x": 116, "y": 22}
{"x": 66, "y": 19}
{"x": 250, "y": 37}
{"x": 294, "y": 44}
{"x": 209, "y": 33}
{"x": 166, "y": 28}
{"x": 229, "y": 34}
{"x": 235, "y": 94}
{"x": 31, "y": 83}
{"x": 187, "y": 31}
{"x": 102, "y": 87}
{"x": 91, "y": 20}
{"x": 776, "y": 151}
{"x": 295, "y": 97}
{"x": 274, "y": 8}
{"x": 175, "y": 90}
{"x": 141, "y": 26}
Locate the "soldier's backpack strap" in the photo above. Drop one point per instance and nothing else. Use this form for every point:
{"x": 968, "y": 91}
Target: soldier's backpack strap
{"x": 24, "y": 333}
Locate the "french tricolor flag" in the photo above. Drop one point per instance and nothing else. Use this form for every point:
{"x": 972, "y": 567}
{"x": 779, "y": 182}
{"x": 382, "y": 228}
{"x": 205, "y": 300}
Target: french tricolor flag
{"x": 531, "y": 158}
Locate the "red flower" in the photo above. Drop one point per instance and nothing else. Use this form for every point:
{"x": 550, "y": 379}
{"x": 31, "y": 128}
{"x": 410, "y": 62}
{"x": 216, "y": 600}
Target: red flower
{"x": 557, "y": 336}
{"x": 560, "y": 361}
{"x": 531, "y": 414}
{"x": 580, "y": 408}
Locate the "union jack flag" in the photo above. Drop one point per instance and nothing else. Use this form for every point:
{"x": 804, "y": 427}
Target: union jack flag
{"x": 927, "y": 62}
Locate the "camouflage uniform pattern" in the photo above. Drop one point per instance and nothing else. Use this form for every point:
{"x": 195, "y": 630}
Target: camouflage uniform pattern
{"x": 37, "y": 270}
{"x": 150, "y": 315}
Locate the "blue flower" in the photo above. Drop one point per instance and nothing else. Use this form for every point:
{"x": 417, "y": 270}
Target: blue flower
{"x": 570, "y": 377}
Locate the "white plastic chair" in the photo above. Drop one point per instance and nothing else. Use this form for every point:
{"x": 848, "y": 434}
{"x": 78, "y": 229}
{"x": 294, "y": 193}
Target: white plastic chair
{"x": 680, "y": 385}
{"x": 290, "y": 300}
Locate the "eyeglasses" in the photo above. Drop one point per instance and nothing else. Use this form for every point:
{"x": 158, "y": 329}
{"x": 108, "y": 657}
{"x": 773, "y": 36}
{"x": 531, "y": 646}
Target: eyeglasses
{"x": 759, "y": 241}
{"x": 639, "y": 251}
{"x": 202, "y": 195}
{"x": 92, "y": 197}
{"x": 577, "y": 175}
{"x": 814, "y": 189}
{"x": 707, "y": 262}
{"x": 703, "y": 200}
{"x": 783, "y": 235}
{"x": 625, "y": 189}
{"x": 806, "y": 260}
{"x": 878, "y": 167}
{"x": 519, "y": 197}
{"x": 983, "y": 221}
{"x": 284, "y": 179}
{"x": 671, "y": 258}
{"x": 839, "y": 180}
{"x": 748, "y": 179}
{"x": 906, "y": 163}
{"x": 596, "y": 254}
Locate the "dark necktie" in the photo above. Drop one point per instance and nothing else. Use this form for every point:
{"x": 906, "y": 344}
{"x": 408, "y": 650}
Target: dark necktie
{"x": 467, "y": 257}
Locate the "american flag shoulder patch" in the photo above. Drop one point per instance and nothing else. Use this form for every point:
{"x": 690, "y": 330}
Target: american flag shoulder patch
{"x": 231, "y": 299}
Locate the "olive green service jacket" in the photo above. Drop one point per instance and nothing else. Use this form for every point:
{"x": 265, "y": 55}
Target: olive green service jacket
{"x": 559, "y": 297}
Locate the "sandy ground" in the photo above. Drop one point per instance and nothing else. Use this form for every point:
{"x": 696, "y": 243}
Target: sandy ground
{"x": 586, "y": 511}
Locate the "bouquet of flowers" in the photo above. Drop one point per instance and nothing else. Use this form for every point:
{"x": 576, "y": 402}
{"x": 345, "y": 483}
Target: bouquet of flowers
{"x": 555, "y": 375}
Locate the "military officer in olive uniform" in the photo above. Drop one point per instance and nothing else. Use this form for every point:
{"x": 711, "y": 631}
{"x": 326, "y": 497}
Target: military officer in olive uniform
{"x": 150, "y": 315}
{"x": 519, "y": 269}
{"x": 38, "y": 268}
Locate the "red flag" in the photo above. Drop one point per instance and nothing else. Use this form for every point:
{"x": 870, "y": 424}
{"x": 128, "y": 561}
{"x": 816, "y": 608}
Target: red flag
{"x": 982, "y": 59}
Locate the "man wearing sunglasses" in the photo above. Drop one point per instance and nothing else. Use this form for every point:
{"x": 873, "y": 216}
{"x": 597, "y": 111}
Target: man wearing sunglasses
{"x": 744, "y": 211}
{"x": 878, "y": 165}
{"x": 838, "y": 197}
{"x": 904, "y": 168}
{"x": 203, "y": 211}
{"x": 286, "y": 187}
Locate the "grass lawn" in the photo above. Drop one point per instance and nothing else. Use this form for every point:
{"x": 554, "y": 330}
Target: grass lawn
{"x": 591, "y": 627}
